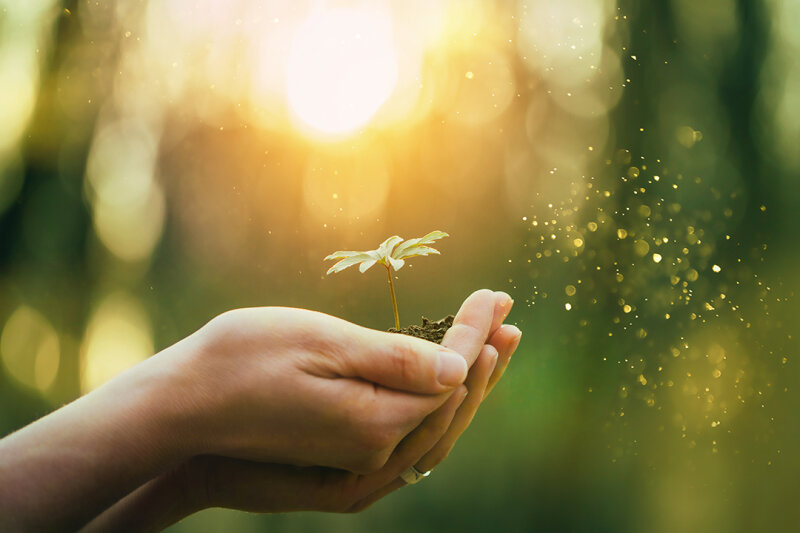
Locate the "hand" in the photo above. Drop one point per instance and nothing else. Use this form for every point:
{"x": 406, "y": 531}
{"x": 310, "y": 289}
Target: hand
{"x": 259, "y": 487}
{"x": 220, "y": 481}
{"x": 298, "y": 387}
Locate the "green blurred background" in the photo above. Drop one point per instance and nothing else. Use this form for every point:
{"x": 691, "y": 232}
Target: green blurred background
{"x": 627, "y": 172}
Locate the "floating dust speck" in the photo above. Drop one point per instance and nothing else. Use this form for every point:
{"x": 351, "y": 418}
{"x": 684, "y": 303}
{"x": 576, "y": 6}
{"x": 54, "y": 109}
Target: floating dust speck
{"x": 638, "y": 235}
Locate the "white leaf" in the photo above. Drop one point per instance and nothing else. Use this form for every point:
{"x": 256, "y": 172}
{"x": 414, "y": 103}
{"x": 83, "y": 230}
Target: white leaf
{"x": 414, "y": 251}
{"x": 366, "y": 265}
{"x": 397, "y": 264}
{"x": 348, "y": 262}
{"x": 341, "y": 255}
{"x": 433, "y": 236}
{"x": 403, "y": 249}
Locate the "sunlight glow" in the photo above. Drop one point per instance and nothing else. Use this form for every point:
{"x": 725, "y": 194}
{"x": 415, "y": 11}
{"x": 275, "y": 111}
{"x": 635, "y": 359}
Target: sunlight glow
{"x": 342, "y": 68}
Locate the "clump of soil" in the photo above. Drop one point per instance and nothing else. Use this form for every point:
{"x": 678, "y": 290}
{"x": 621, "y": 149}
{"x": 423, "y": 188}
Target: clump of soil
{"x": 429, "y": 330}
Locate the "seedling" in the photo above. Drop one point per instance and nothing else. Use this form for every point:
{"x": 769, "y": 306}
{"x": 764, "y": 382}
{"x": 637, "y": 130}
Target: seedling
{"x": 392, "y": 253}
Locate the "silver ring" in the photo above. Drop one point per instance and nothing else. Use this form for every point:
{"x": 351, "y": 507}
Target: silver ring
{"x": 412, "y": 475}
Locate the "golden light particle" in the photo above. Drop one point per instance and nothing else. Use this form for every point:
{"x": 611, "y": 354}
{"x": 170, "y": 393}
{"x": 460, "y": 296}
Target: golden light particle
{"x": 626, "y": 308}
{"x": 567, "y": 306}
{"x": 592, "y": 226}
{"x": 578, "y": 242}
{"x": 469, "y": 75}
{"x": 657, "y": 258}
{"x": 570, "y": 290}
{"x": 622, "y": 233}
{"x": 716, "y": 268}
{"x": 691, "y": 274}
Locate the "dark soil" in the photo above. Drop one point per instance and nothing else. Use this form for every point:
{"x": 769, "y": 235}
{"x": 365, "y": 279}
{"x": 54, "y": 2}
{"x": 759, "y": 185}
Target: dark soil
{"x": 429, "y": 330}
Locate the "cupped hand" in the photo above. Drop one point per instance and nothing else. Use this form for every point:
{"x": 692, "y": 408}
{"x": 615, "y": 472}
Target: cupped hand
{"x": 299, "y": 387}
{"x": 217, "y": 481}
{"x": 477, "y": 333}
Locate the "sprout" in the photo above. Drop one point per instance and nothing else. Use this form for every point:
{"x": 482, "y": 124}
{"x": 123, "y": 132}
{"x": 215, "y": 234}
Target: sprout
{"x": 392, "y": 254}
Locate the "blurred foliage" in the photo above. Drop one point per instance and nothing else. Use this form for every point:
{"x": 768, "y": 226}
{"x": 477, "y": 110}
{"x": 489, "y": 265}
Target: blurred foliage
{"x": 626, "y": 171}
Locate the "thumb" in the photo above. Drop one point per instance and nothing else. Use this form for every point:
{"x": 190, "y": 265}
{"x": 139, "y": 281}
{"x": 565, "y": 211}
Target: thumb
{"x": 407, "y": 363}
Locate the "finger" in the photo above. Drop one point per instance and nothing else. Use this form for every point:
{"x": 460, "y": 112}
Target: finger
{"x": 505, "y": 340}
{"x": 416, "y": 444}
{"x": 405, "y": 363}
{"x": 478, "y": 379}
{"x": 250, "y": 486}
{"x": 502, "y": 307}
{"x": 471, "y": 325}
{"x": 476, "y": 384}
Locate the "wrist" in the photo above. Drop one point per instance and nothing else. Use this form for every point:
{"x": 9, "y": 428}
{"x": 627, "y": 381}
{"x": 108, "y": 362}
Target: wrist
{"x": 175, "y": 399}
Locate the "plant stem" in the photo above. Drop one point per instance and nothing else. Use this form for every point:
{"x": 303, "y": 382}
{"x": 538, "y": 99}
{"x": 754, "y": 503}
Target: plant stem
{"x": 394, "y": 299}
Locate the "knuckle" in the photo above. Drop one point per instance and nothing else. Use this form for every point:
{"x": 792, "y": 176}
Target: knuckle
{"x": 371, "y": 462}
{"x": 404, "y": 360}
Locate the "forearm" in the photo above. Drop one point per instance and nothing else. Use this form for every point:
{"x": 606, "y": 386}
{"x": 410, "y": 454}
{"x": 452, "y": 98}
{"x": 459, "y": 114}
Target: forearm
{"x": 65, "y": 469}
{"x": 154, "y": 506}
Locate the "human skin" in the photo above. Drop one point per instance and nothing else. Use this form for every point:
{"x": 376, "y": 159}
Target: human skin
{"x": 211, "y": 481}
{"x": 287, "y": 386}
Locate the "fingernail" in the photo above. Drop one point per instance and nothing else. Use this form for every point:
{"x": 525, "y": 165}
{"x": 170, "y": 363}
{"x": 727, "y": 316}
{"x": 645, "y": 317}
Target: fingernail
{"x": 494, "y": 355}
{"x": 451, "y": 368}
{"x": 508, "y": 301}
{"x": 517, "y": 338}
{"x": 507, "y": 304}
{"x": 464, "y": 392}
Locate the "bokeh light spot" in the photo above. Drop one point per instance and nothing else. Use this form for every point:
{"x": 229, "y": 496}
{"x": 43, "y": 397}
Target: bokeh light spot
{"x": 30, "y": 349}
{"x": 342, "y": 68}
{"x": 119, "y": 336}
